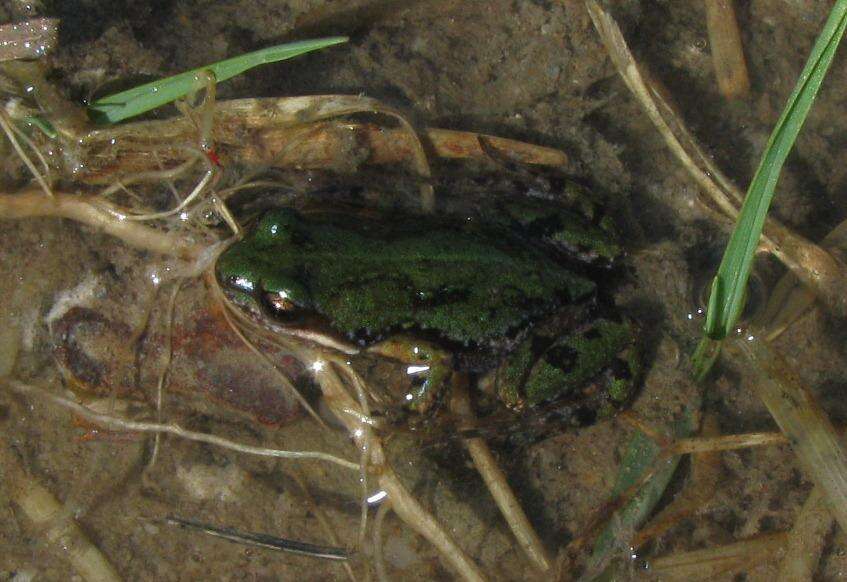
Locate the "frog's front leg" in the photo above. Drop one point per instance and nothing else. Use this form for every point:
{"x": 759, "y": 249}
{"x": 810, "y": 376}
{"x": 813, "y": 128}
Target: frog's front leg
{"x": 424, "y": 360}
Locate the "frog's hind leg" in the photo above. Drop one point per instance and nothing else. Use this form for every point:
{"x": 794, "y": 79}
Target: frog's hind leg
{"x": 597, "y": 363}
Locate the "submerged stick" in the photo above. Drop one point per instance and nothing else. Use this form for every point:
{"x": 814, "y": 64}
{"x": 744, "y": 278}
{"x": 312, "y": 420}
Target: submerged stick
{"x": 710, "y": 563}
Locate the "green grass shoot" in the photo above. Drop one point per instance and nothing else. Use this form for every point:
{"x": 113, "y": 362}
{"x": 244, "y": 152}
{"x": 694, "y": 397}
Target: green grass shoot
{"x": 727, "y": 298}
{"x": 138, "y": 100}
{"x": 641, "y": 456}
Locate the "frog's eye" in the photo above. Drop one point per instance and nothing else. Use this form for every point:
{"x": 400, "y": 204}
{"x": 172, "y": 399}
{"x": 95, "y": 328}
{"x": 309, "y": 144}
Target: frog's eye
{"x": 280, "y": 302}
{"x": 287, "y": 301}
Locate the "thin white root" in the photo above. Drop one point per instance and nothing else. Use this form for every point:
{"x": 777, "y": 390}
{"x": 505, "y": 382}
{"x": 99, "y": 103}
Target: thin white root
{"x": 116, "y": 423}
{"x": 55, "y": 524}
{"x": 195, "y": 192}
{"x": 166, "y": 366}
{"x": 235, "y": 324}
{"x": 498, "y": 486}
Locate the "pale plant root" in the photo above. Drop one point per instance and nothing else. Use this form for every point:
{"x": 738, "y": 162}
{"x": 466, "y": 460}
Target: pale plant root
{"x": 120, "y": 424}
{"x": 338, "y": 399}
{"x": 102, "y": 216}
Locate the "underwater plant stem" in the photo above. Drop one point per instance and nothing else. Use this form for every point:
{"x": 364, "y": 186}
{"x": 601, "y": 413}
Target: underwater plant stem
{"x": 731, "y": 442}
{"x": 96, "y": 213}
{"x": 54, "y": 523}
{"x": 727, "y": 50}
{"x": 498, "y": 485}
{"x": 818, "y": 448}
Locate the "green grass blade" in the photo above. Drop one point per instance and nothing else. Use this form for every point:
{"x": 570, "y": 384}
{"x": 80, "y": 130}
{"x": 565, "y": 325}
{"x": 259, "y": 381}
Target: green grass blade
{"x": 641, "y": 454}
{"x": 728, "y": 289}
{"x": 143, "y": 98}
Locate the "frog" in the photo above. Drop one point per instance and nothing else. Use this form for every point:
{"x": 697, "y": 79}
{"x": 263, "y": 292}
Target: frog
{"x": 511, "y": 296}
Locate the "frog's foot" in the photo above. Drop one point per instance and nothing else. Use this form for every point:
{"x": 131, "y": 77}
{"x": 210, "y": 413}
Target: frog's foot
{"x": 596, "y": 366}
{"x": 429, "y": 368}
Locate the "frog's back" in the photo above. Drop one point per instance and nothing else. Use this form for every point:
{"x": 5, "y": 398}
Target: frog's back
{"x": 462, "y": 282}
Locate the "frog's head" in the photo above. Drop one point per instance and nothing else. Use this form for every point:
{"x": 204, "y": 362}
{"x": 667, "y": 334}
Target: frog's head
{"x": 256, "y": 271}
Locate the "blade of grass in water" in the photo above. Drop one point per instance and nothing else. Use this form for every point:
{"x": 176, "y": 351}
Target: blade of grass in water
{"x": 143, "y": 98}
{"x": 640, "y": 456}
{"x": 728, "y": 288}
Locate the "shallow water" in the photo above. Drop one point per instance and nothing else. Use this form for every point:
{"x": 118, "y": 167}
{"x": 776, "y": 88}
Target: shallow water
{"x": 533, "y": 71}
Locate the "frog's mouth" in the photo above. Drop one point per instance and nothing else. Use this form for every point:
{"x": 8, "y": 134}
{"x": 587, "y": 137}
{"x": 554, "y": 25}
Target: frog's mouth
{"x": 291, "y": 322}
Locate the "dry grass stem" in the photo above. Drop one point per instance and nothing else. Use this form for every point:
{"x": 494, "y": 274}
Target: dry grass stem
{"x": 711, "y": 563}
{"x": 701, "y": 487}
{"x": 724, "y": 443}
{"x": 115, "y": 423}
{"x": 807, "y": 539}
{"x": 497, "y": 484}
{"x": 727, "y": 50}
{"x": 292, "y": 139}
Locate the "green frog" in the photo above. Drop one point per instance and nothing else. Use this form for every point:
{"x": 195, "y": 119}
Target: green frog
{"x": 509, "y": 295}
